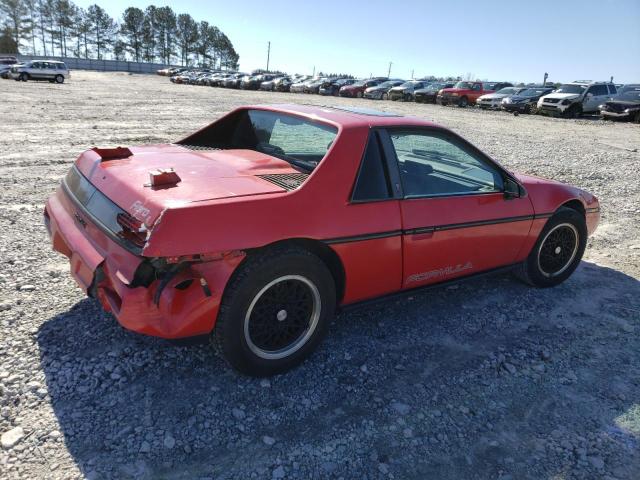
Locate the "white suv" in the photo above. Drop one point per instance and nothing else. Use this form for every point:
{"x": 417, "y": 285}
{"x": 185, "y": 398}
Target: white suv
{"x": 51, "y": 70}
{"x": 573, "y": 99}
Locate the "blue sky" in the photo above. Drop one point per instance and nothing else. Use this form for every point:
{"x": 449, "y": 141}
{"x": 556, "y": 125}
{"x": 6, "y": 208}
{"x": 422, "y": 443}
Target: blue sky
{"x": 494, "y": 40}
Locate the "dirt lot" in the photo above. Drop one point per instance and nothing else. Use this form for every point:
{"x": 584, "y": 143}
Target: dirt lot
{"x": 489, "y": 379}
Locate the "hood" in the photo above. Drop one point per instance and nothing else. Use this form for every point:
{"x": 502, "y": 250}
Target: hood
{"x": 205, "y": 175}
{"x": 454, "y": 90}
{"x": 627, "y": 103}
{"x": 562, "y": 96}
{"x": 494, "y": 96}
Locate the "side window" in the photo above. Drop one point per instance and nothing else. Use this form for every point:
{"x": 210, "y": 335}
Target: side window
{"x": 372, "y": 182}
{"x": 432, "y": 164}
{"x": 597, "y": 90}
{"x": 612, "y": 89}
{"x": 476, "y": 87}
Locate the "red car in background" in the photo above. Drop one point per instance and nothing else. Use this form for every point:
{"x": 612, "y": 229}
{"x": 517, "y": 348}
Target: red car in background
{"x": 356, "y": 90}
{"x": 466, "y": 93}
{"x": 257, "y": 227}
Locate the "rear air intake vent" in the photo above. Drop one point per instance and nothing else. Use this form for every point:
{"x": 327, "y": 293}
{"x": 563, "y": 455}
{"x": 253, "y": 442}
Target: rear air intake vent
{"x": 198, "y": 147}
{"x": 288, "y": 181}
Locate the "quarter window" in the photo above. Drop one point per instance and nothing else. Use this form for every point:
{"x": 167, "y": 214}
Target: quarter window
{"x": 372, "y": 182}
{"x": 433, "y": 164}
{"x": 612, "y": 89}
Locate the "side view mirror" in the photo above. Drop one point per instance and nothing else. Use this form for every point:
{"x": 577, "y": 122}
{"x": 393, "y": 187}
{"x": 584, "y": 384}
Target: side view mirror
{"x": 512, "y": 189}
{"x": 589, "y": 95}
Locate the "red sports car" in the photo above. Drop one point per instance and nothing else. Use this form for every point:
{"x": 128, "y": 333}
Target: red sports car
{"x": 259, "y": 226}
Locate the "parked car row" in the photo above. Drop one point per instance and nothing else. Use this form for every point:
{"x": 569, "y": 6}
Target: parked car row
{"x": 568, "y": 100}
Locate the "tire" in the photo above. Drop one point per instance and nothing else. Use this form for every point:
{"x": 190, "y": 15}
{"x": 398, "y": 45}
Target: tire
{"x": 558, "y": 250}
{"x": 359, "y": 95}
{"x": 463, "y": 102}
{"x": 385, "y": 96}
{"x": 59, "y": 79}
{"x": 637, "y": 118}
{"x": 261, "y": 297}
{"x": 573, "y": 111}
{"x": 23, "y": 77}
{"x": 530, "y": 109}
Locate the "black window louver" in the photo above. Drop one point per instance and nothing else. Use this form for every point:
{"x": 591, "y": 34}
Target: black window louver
{"x": 198, "y": 147}
{"x": 288, "y": 181}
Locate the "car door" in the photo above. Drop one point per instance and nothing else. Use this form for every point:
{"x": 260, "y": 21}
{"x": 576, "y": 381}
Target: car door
{"x": 596, "y": 96}
{"x": 456, "y": 218}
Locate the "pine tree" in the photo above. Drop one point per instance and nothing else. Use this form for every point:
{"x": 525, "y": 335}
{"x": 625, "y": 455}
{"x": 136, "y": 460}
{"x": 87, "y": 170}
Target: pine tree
{"x": 102, "y": 29}
{"x": 132, "y": 29}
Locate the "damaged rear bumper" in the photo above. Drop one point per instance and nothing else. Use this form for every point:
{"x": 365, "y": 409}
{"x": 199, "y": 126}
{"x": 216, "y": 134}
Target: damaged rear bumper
{"x": 177, "y": 303}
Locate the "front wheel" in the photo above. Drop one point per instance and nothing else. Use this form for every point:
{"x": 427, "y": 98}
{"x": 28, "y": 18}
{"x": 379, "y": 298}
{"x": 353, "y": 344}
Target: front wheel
{"x": 558, "y": 250}
{"x": 463, "y": 102}
{"x": 275, "y": 311}
{"x": 359, "y": 95}
{"x": 24, "y": 77}
{"x": 385, "y": 96}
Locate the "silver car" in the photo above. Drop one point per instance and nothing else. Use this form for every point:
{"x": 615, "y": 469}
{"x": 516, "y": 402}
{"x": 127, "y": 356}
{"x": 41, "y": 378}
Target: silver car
{"x": 50, "y": 70}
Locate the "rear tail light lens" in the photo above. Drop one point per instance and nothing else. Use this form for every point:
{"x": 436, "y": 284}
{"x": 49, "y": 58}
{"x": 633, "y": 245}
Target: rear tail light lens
{"x": 132, "y": 229}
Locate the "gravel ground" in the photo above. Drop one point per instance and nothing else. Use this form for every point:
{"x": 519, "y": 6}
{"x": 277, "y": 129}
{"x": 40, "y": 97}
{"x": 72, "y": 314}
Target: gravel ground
{"x": 488, "y": 380}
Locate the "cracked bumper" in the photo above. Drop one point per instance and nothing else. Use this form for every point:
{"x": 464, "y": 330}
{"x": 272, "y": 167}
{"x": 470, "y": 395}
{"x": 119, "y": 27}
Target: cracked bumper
{"x": 186, "y": 306}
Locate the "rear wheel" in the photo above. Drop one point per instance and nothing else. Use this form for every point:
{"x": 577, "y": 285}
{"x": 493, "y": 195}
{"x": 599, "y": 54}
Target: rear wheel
{"x": 463, "y": 102}
{"x": 275, "y": 311}
{"x": 24, "y": 77}
{"x": 637, "y": 119}
{"x": 59, "y": 79}
{"x": 385, "y": 96}
{"x": 558, "y": 250}
{"x": 359, "y": 95}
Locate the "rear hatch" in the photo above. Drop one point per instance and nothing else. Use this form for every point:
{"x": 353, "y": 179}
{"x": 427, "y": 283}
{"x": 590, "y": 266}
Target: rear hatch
{"x": 204, "y": 175}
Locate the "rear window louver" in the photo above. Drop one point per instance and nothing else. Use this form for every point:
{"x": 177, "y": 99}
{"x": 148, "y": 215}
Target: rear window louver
{"x": 288, "y": 181}
{"x": 198, "y": 147}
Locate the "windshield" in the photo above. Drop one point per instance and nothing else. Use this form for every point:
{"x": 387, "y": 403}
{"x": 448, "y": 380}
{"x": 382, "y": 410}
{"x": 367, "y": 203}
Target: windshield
{"x": 534, "y": 92}
{"x": 388, "y": 84}
{"x": 301, "y": 142}
{"x": 410, "y": 83}
{"x": 359, "y": 83}
{"x": 463, "y": 85}
{"x": 570, "y": 88}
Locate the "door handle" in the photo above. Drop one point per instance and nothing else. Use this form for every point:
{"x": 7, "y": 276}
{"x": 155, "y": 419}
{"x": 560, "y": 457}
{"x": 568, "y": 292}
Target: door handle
{"x": 422, "y": 234}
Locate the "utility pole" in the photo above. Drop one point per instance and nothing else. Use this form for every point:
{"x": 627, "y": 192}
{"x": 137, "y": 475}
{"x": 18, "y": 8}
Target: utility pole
{"x": 268, "y": 54}
{"x": 544, "y": 82}
{"x": 314, "y": 71}
{"x": 411, "y": 74}
{"x": 389, "y": 72}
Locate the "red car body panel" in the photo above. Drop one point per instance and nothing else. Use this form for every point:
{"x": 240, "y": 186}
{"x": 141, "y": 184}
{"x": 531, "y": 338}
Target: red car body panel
{"x": 220, "y": 210}
{"x": 472, "y": 95}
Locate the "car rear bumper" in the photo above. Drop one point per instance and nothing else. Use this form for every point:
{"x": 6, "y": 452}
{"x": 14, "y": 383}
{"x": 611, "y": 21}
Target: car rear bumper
{"x": 184, "y": 305}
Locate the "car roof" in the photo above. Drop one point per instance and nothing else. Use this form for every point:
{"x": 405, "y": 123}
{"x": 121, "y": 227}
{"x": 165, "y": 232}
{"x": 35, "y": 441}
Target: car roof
{"x": 346, "y": 116}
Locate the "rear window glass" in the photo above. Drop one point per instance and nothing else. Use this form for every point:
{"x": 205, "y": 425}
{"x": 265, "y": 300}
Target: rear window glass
{"x": 299, "y": 141}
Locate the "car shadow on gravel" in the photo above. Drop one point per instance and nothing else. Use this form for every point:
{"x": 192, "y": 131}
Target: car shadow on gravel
{"x": 482, "y": 380}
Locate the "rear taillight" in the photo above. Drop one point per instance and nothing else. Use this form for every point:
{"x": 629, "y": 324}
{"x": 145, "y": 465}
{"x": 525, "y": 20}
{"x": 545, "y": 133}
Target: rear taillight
{"x": 132, "y": 229}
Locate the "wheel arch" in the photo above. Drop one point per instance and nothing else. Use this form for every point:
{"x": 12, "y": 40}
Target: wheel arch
{"x": 326, "y": 254}
{"x": 576, "y": 205}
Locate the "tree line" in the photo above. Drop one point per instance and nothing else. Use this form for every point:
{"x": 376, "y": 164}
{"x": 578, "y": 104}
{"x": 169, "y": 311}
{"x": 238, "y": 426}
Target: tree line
{"x": 155, "y": 34}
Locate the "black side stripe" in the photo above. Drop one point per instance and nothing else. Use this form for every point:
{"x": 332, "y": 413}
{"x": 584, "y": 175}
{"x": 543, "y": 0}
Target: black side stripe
{"x": 419, "y": 230}
{"x": 360, "y": 238}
